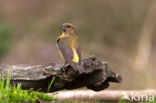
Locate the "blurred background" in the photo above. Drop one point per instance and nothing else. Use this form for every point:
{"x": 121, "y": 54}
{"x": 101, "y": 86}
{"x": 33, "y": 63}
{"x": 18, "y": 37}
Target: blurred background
{"x": 121, "y": 32}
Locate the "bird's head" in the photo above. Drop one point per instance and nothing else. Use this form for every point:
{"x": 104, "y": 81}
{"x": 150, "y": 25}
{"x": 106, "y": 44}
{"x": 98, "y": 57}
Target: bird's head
{"x": 67, "y": 28}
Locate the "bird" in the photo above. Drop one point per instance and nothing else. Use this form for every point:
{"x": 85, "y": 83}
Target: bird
{"x": 69, "y": 48}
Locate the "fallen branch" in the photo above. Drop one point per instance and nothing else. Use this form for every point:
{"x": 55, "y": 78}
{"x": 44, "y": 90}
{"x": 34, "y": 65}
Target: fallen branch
{"x": 107, "y": 95}
{"x": 38, "y": 77}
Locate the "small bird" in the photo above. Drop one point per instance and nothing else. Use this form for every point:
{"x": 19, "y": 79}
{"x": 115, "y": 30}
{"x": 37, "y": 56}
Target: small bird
{"x": 69, "y": 48}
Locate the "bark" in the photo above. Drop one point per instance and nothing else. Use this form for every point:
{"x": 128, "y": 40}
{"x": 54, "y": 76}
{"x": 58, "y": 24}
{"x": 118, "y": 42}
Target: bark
{"x": 97, "y": 75}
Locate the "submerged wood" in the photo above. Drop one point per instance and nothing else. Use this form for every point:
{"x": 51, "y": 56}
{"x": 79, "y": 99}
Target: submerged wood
{"x": 38, "y": 77}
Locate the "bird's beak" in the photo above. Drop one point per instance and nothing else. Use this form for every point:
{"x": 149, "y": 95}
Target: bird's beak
{"x": 63, "y": 27}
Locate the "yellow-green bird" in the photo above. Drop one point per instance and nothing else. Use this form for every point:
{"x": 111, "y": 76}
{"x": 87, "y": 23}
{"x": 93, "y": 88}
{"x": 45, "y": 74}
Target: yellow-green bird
{"x": 69, "y": 48}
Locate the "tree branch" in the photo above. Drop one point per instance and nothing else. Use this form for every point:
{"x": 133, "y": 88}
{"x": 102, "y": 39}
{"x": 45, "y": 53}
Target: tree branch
{"x": 107, "y": 95}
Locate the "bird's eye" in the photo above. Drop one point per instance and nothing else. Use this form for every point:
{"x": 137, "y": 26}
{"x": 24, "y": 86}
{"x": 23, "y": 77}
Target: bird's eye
{"x": 68, "y": 26}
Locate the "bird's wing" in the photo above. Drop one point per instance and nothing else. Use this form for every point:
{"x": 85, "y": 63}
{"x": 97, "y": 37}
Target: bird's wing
{"x": 68, "y": 52}
{"x": 78, "y": 51}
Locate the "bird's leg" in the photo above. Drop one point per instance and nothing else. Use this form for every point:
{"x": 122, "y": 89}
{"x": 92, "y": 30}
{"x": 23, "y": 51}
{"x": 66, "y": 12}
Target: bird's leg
{"x": 63, "y": 67}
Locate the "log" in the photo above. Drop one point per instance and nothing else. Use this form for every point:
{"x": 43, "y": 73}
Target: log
{"x": 38, "y": 77}
{"x": 106, "y": 95}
